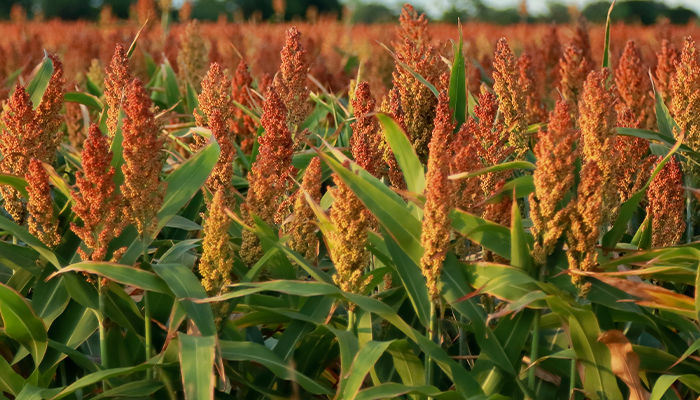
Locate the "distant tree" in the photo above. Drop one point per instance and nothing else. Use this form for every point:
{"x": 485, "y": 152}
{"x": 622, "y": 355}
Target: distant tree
{"x": 453, "y": 13}
{"x": 6, "y": 6}
{"x": 646, "y": 12}
{"x": 557, "y": 13}
{"x": 370, "y": 13}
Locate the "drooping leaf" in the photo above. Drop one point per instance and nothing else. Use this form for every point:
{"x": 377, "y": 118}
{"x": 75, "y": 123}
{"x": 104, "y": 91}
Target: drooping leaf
{"x": 21, "y": 323}
{"x": 197, "y": 365}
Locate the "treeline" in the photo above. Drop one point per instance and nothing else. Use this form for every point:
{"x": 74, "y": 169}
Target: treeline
{"x": 646, "y": 12}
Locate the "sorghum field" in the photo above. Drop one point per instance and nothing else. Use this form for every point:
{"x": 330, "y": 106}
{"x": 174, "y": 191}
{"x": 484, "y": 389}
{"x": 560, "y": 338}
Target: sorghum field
{"x": 328, "y": 211}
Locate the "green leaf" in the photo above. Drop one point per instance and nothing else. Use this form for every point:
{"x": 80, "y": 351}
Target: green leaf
{"x": 492, "y": 236}
{"x": 522, "y": 185}
{"x": 97, "y": 377}
{"x": 406, "y": 157}
{"x": 22, "y": 234}
{"x": 519, "y": 252}
{"x": 594, "y": 357}
{"x": 22, "y": 324}
{"x": 394, "y": 390}
{"x": 412, "y": 279}
{"x": 49, "y": 299}
{"x": 185, "y": 285}
{"x": 139, "y": 389}
{"x": 197, "y": 365}
{"x": 250, "y": 351}
{"x": 389, "y": 209}
{"x": 408, "y": 365}
{"x": 662, "y": 385}
{"x": 84, "y": 99}
{"x": 606, "y": 50}
{"x": 364, "y": 361}
{"x": 16, "y": 182}
{"x": 495, "y": 168}
{"x": 123, "y": 274}
{"x": 185, "y": 181}
{"x": 10, "y": 381}
{"x": 37, "y": 86}
{"x": 458, "y": 83}
{"x": 172, "y": 89}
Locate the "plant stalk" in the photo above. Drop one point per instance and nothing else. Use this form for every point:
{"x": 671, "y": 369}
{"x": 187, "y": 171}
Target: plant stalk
{"x": 433, "y": 335}
{"x": 689, "y": 211}
{"x": 572, "y": 379}
{"x": 534, "y": 351}
{"x": 351, "y": 320}
{"x": 147, "y": 317}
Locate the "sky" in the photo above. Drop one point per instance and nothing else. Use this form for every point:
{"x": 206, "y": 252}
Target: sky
{"x": 534, "y": 6}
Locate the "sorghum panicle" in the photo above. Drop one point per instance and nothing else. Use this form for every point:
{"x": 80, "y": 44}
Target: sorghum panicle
{"x": 142, "y": 189}
{"x": 192, "y": 58}
{"x": 666, "y": 62}
{"x": 634, "y": 86}
{"x": 41, "y": 219}
{"x": 414, "y": 49}
{"x": 302, "y": 226}
{"x": 48, "y": 111}
{"x": 243, "y": 124}
{"x": 214, "y": 96}
{"x": 534, "y": 108}
{"x": 117, "y": 78}
{"x": 19, "y": 143}
{"x": 510, "y": 96}
{"x": 632, "y": 165}
{"x": 216, "y": 264}
{"x": 366, "y": 140}
{"x": 597, "y": 120}
{"x": 97, "y": 204}
{"x": 290, "y": 82}
{"x": 465, "y": 148}
{"x": 685, "y": 89}
{"x": 573, "y": 69}
{"x": 269, "y": 177}
{"x": 666, "y": 205}
{"x": 435, "y": 235}
{"x": 554, "y": 177}
{"x": 349, "y": 253}
{"x": 585, "y": 221}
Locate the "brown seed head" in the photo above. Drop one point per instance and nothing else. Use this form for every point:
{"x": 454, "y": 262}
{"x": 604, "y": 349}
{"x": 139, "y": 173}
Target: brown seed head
{"x": 214, "y": 96}
{"x": 269, "y": 177}
{"x": 435, "y": 235}
{"x": 242, "y": 124}
{"x": 510, "y": 95}
{"x": 634, "y": 86}
{"x": 685, "y": 89}
{"x": 143, "y": 159}
{"x": 366, "y": 141}
{"x": 97, "y": 204}
{"x": 290, "y": 83}
{"x": 302, "y": 227}
{"x": 42, "y": 219}
{"x": 192, "y": 58}
{"x": 585, "y": 221}
{"x": 666, "y": 205}
{"x": 216, "y": 264}
{"x": 554, "y": 177}
{"x": 117, "y": 78}
{"x": 666, "y": 60}
{"x": 48, "y": 111}
{"x": 534, "y": 108}
{"x": 573, "y": 69}
{"x": 414, "y": 49}
{"x": 392, "y": 107}
{"x": 349, "y": 253}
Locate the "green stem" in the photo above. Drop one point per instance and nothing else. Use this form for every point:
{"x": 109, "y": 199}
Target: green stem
{"x": 462, "y": 340}
{"x": 689, "y": 211}
{"x": 147, "y": 316}
{"x": 433, "y": 334}
{"x": 102, "y": 329}
{"x": 534, "y": 350}
{"x": 572, "y": 378}
{"x": 351, "y": 321}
